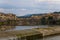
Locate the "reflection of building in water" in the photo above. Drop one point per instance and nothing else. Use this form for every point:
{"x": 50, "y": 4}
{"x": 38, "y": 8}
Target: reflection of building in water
{"x": 6, "y": 28}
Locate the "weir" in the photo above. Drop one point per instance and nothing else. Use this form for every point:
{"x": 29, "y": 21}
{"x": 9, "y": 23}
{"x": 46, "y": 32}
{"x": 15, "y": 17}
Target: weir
{"x": 32, "y": 37}
{"x": 28, "y": 34}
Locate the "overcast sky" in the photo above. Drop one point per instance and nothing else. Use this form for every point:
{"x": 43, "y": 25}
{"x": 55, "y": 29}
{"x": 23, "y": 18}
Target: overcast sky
{"x": 23, "y": 7}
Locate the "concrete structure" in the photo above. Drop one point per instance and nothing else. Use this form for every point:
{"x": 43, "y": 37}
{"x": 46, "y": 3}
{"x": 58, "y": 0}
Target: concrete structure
{"x": 28, "y": 34}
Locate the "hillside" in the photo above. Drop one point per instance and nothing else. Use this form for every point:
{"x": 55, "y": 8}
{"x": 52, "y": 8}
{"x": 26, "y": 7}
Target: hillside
{"x": 40, "y": 19}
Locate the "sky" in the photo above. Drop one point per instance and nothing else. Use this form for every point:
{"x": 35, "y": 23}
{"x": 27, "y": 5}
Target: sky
{"x": 24, "y": 7}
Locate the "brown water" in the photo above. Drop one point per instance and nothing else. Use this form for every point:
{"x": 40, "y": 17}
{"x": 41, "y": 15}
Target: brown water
{"x": 55, "y": 37}
{"x": 13, "y": 28}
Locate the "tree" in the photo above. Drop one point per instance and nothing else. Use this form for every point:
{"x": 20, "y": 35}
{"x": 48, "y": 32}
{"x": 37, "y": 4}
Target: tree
{"x": 43, "y": 21}
{"x": 50, "y": 20}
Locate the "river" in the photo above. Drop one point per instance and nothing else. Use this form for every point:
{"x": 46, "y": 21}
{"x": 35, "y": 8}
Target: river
{"x": 55, "y": 37}
{"x": 26, "y": 27}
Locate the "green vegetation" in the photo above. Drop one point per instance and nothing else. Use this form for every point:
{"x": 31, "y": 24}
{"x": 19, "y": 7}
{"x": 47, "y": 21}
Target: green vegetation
{"x": 8, "y": 22}
{"x": 42, "y": 19}
{"x": 33, "y": 19}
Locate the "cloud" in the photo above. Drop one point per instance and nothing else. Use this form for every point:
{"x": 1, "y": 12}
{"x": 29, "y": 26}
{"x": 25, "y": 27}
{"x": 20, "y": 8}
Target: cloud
{"x": 40, "y": 0}
{"x": 23, "y": 7}
{"x": 53, "y": 0}
{"x": 1, "y": 10}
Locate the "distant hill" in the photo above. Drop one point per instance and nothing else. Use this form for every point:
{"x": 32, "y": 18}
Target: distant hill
{"x": 29, "y": 15}
{"x": 25, "y": 16}
{"x": 56, "y": 12}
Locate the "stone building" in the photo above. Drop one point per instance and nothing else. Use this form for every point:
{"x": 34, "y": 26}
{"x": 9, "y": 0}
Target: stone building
{"x": 7, "y": 16}
{"x": 11, "y": 16}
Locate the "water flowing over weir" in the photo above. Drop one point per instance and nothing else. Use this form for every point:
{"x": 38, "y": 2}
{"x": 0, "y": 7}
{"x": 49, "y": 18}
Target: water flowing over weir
{"x": 28, "y": 34}
{"x": 31, "y": 34}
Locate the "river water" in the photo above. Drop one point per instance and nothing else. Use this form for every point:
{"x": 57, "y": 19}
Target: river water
{"x": 55, "y": 37}
{"x": 26, "y": 27}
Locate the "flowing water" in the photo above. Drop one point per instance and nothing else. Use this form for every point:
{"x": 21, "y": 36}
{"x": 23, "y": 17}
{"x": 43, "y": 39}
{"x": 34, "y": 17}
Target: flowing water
{"x": 55, "y": 37}
{"x": 26, "y": 27}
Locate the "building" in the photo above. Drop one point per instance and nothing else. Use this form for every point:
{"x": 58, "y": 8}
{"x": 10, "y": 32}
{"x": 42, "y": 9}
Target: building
{"x": 7, "y": 16}
{"x": 11, "y": 16}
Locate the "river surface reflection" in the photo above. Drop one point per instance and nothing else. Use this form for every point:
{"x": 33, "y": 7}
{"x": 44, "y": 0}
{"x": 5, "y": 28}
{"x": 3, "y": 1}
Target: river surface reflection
{"x": 13, "y": 28}
{"x": 28, "y": 27}
{"x": 55, "y": 37}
